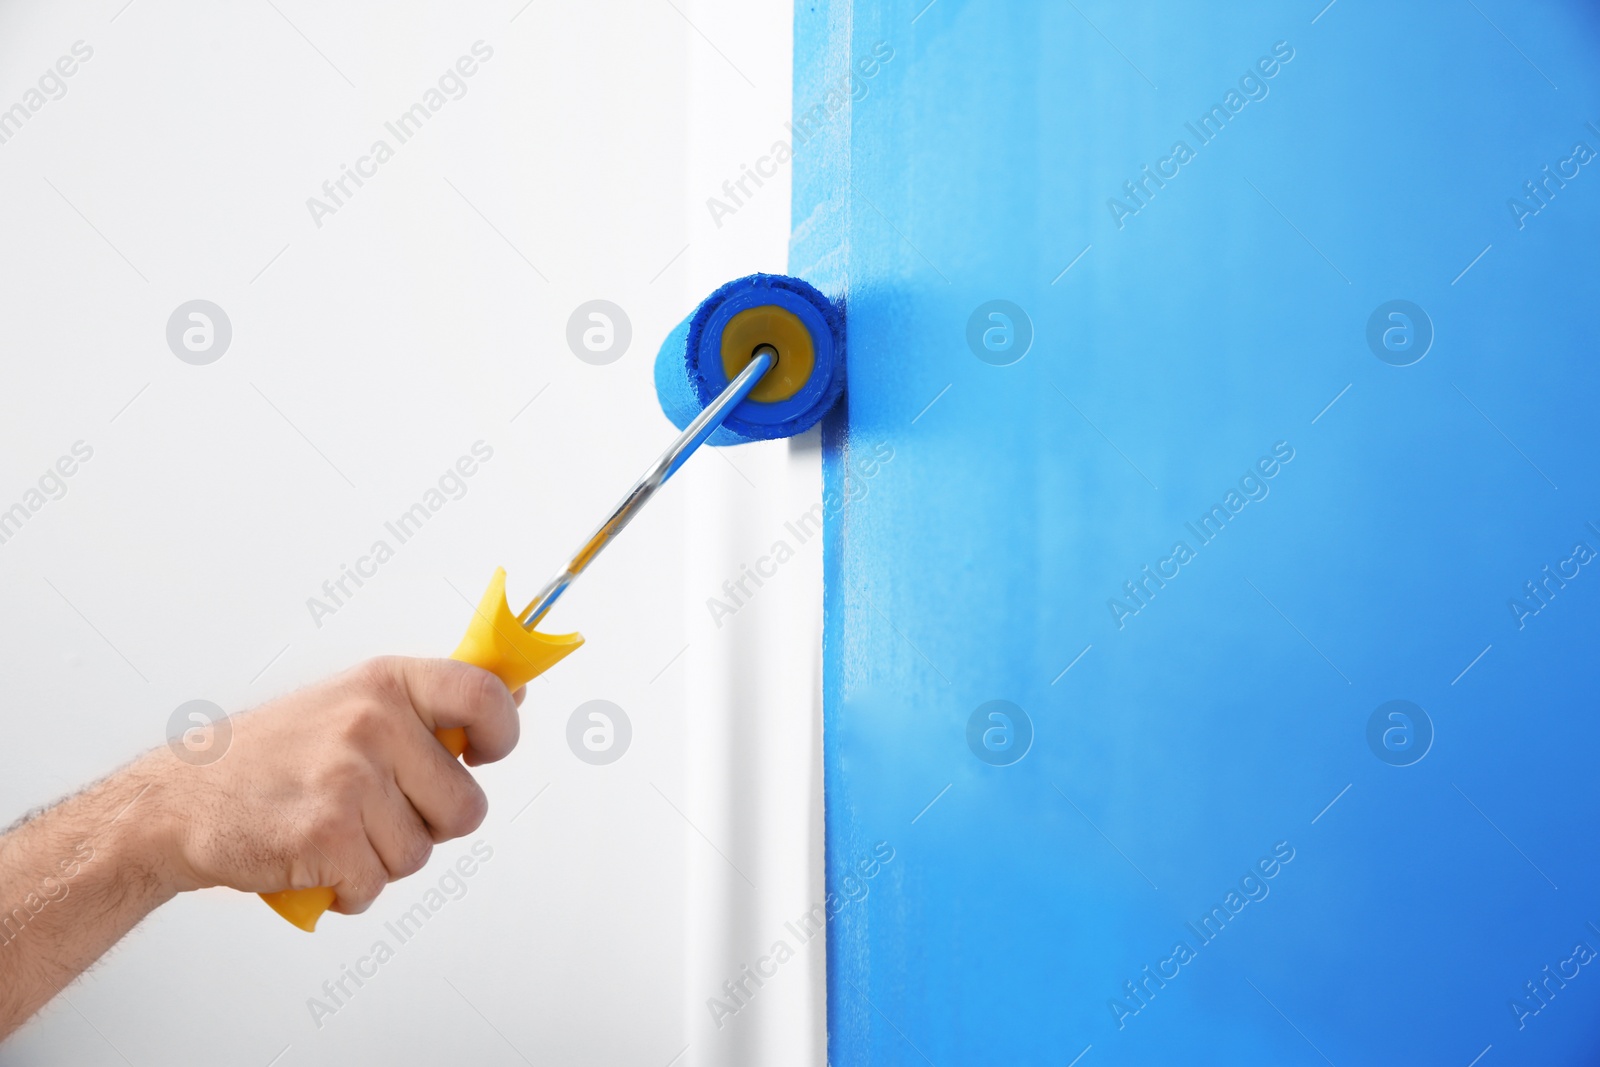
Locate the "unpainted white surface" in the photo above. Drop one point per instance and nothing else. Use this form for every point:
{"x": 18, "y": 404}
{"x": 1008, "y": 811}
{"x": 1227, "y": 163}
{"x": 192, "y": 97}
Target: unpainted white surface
{"x": 427, "y": 313}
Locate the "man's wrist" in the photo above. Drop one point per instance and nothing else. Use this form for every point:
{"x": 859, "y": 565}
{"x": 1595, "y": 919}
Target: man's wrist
{"x": 142, "y": 835}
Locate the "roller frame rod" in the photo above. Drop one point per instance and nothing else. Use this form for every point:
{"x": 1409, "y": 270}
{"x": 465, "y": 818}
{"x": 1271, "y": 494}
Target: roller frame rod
{"x": 694, "y": 435}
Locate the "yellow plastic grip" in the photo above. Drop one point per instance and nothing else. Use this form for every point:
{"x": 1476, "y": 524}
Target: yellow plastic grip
{"x": 495, "y": 641}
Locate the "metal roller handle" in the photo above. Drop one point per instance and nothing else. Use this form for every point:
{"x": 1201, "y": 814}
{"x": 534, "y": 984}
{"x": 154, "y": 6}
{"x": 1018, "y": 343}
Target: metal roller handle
{"x": 763, "y": 359}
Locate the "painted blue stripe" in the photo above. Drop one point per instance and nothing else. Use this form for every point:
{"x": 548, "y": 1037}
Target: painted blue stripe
{"x": 1213, "y": 361}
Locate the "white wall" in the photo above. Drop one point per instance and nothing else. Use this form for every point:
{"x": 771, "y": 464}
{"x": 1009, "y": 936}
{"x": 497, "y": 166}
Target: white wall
{"x": 429, "y": 312}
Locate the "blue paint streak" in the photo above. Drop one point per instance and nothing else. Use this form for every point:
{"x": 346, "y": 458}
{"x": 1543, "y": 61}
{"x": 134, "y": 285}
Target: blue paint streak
{"x": 1214, "y": 326}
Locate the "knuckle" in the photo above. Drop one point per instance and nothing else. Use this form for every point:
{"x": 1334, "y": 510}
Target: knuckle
{"x": 302, "y": 876}
{"x": 366, "y": 722}
{"x": 415, "y": 857}
{"x": 481, "y": 691}
{"x": 357, "y": 897}
{"x": 340, "y": 782}
{"x": 328, "y": 832}
{"x": 468, "y": 811}
{"x": 379, "y": 672}
{"x": 381, "y": 680}
{"x": 364, "y": 884}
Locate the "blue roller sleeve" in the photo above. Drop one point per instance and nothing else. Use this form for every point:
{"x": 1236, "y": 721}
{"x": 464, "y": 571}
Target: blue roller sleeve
{"x": 689, "y": 372}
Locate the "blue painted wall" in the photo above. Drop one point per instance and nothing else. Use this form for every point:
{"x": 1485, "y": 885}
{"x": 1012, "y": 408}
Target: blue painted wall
{"x": 1201, "y": 342}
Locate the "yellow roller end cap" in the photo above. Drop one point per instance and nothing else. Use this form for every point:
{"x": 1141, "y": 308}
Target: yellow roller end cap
{"x": 783, "y": 330}
{"x": 303, "y": 907}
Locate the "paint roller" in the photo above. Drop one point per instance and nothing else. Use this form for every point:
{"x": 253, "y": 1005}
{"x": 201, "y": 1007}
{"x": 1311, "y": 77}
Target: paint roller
{"x": 761, "y": 358}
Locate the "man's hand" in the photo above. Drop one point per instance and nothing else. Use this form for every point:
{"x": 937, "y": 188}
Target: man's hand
{"x": 342, "y": 785}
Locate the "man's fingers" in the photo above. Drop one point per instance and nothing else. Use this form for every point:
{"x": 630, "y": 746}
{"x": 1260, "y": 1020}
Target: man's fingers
{"x": 398, "y": 834}
{"x": 359, "y": 877}
{"x": 446, "y": 693}
{"x": 448, "y": 799}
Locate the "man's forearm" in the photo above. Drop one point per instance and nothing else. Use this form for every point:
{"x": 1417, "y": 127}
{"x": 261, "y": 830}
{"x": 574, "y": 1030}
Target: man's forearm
{"x": 74, "y": 879}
